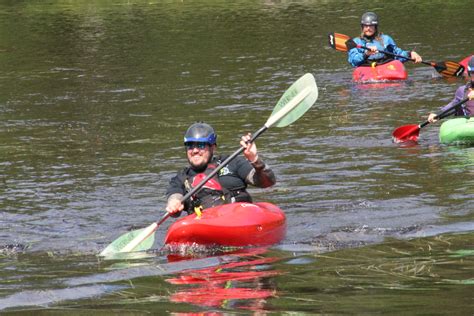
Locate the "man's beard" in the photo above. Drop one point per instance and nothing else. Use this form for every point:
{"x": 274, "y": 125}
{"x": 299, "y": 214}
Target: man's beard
{"x": 201, "y": 167}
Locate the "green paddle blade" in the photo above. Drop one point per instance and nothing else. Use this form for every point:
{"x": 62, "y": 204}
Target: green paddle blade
{"x": 118, "y": 244}
{"x": 295, "y": 102}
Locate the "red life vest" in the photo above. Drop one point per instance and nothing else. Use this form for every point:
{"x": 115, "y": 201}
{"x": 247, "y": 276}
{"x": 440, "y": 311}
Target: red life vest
{"x": 210, "y": 195}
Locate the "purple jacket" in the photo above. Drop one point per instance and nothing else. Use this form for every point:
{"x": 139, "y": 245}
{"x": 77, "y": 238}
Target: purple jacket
{"x": 467, "y": 109}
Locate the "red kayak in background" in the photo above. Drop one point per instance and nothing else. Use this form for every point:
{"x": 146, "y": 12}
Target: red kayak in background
{"x": 464, "y": 63}
{"x": 235, "y": 224}
{"x": 390, "y": 71}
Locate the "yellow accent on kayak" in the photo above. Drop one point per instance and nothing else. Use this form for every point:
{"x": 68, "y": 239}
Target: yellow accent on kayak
{"x": 198, "y": 211}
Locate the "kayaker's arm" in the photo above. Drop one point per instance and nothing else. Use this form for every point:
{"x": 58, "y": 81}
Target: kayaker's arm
{"x": 458, "y": 110}
{"x": 261, "y": 175}
{"x": 392, "y": 47}
{"x": 357, "y": 56}
{"x": 458, "y": 96}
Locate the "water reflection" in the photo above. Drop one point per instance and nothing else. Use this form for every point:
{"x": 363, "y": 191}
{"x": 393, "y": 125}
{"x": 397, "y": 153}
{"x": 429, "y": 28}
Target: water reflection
{"x": 461, "y": 157}
{"x": 412, "y": 273}
{"x": 244, "y": 284}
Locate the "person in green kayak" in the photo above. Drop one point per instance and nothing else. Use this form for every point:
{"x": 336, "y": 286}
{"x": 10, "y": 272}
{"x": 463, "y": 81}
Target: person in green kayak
{"x": 376, "y": 41}
{"x": 229, "y": 185}
{"x": 464, "y": 91}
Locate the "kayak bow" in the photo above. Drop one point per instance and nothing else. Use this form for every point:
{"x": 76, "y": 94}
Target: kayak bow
{"x": 235, "y": 224}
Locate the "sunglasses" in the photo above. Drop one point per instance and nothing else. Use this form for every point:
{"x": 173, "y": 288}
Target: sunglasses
{"x": 192, "y": 145}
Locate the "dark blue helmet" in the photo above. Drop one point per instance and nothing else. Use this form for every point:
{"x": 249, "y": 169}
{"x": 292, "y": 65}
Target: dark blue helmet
{"x": 200, "y": 132}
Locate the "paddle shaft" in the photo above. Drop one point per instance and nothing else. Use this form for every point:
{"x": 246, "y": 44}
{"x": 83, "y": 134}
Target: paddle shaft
{"x": 344, "y": 43}
{"x": 446, "y": 69}
{"x": 287, "y": 108}
{"x": 396, "y": 55}
{"x": 442, "y": 114}
{"x": 349, "y": 43}
{"x": 153, "y": 227}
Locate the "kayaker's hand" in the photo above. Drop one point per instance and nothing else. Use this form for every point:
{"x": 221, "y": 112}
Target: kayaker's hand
{"x": 250, "y": 151}
{"x": 470, "y": 95}
{"x": 431, "y": 118}
{"x": 416, "y": 58}
{"x": 371, "y": 50}
{"x": 174, "y": 205}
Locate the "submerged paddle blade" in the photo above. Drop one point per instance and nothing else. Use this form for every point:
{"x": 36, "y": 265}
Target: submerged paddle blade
{"x": 120, "y": 244}
{"x": 406, "y": 133}
{"x": 339, "y": 41}
{"x": 449, "y": 68}
{"x": 137, "y": 240}
{"x": 294, "y": 102}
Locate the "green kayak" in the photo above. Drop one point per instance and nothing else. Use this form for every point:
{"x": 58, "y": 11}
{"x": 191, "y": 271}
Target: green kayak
{"x": 457, "y": 131}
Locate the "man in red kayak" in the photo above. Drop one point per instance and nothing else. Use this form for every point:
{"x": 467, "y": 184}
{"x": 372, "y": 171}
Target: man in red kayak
{"x": 464, "y": 91}
{"x": 228, "y": 186}
{"x": 375, "y": 41}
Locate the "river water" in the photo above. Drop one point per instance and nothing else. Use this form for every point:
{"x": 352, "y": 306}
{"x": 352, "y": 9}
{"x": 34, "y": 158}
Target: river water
{"x": 95, "y": 98}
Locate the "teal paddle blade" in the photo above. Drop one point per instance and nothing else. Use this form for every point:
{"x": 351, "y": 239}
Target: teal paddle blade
{"x": 118, "y": 244}
{"x": 463, "y": 253}
{"x": 303, "y": 93}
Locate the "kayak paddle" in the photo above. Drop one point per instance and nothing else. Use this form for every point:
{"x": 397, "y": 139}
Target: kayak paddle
{"x": 301, "y": 95}
{"x": 411, "y": 132}
{"x": 447, "y": 69}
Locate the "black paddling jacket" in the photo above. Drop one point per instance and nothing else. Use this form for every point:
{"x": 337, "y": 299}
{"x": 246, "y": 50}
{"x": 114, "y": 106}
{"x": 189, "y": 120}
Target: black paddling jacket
{"x": 231, "y": 179}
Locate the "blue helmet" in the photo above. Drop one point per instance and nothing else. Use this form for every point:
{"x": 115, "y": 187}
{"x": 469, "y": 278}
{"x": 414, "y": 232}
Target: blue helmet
{"x": 200, "y": 132}
{"x": 470, "y": 65}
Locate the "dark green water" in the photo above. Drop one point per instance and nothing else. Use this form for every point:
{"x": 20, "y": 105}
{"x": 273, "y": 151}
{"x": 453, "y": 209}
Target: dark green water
{"x": 94, "y": 100}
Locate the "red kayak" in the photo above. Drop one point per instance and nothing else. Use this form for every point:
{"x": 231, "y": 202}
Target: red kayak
{"x": 235, "y": 224}
{"x": 389, "y": 71}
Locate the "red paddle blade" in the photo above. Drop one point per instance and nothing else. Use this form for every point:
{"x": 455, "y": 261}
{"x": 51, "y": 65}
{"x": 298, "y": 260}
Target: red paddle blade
{"x": 338, "y": 41}
{"x": 406, "y": 133}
